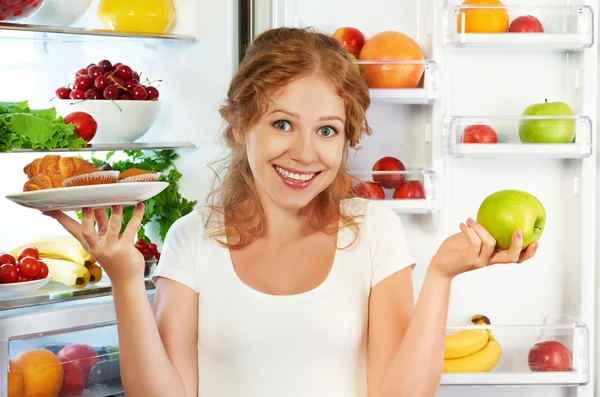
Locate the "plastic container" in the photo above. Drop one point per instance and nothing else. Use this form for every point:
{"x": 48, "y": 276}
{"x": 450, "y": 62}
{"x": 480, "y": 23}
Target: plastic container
{"x": 136, "y": 16}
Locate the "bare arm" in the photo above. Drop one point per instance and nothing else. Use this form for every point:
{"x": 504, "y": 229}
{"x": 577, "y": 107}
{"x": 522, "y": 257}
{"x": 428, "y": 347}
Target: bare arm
{"x": 158, "y": 356}
{"x": 415, "y": 366}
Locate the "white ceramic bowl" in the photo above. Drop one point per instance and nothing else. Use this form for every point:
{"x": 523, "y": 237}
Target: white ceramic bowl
{"x": 19, "y": 289}
{"x": 118, "y": 121}
{"x": 7, "y": 14}
{"x": 59, "y": 12}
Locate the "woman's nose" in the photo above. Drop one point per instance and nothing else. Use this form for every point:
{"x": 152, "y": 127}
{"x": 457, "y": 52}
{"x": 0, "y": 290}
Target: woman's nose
{"x": 304, "y": 150}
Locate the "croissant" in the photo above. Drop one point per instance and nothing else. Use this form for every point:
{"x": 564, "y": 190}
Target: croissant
{"x": 44, "y": 181}
{"x": 54, "y": 164}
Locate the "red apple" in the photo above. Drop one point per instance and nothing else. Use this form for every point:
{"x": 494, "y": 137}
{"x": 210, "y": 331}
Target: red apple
{"x": 85, "y": 125}
{"x": 369, "y": 190}
{"x": 410, "y": 190}
{"x": 73, "y": 381}
{"x": 389, "y": 181}
{"x": 351, "y": 39}
{"x": 479, "y": 133}
{"x": 549, "y": 356}
{"x": 526, "y": 24}
{"x": 84, "y": 356}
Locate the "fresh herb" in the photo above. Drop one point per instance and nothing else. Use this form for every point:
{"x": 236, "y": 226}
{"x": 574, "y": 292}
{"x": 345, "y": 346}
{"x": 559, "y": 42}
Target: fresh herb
{"x": 22, "y": 127}
{"x": 167, "y": 206}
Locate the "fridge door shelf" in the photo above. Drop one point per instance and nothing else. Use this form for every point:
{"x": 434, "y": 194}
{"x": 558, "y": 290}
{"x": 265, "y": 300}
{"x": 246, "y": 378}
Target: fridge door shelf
{"x": 565, "y": 28}
{"x": 507, "y": 129}
{"x": 560, "y": 334}
{"x": 414, "y": 180}
{"x": 424, "y": 94}
{"x": 17, "y": 31}
{"x": 108, "y": 147}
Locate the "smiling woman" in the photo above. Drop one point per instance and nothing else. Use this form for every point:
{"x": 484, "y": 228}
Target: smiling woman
{"x": 284, "y": 284}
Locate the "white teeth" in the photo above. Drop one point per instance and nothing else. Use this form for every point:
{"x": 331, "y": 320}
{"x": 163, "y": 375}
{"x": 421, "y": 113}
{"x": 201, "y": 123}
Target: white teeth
{"x": 293, "y": 176}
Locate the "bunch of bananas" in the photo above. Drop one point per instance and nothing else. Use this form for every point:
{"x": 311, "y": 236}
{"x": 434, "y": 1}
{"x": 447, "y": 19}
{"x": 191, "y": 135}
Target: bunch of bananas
{"x": 472, "y": 350}
{"x": 68, "y": 262}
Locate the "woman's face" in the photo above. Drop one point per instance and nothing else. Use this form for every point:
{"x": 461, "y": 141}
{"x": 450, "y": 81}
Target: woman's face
{"x": 295, "y": 150}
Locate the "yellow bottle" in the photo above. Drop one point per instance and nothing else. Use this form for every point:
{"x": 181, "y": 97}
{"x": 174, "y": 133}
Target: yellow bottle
{"x": 136, "y": 16}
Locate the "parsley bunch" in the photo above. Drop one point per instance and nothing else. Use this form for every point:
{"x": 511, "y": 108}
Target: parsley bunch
{"x": 164, "y": 208}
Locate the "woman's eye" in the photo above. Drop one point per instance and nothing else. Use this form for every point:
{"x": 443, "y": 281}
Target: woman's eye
{"x": 282, "y": 125}
{"x": 327, "y": 132}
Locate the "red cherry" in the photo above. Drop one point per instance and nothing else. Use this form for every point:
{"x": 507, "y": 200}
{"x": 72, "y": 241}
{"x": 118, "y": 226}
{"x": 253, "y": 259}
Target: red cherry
{"x": 152, "y": 93}
{"x": 63, "y": 93}
{"x": 139, "y": 93}
{"x": 77, "y": 94}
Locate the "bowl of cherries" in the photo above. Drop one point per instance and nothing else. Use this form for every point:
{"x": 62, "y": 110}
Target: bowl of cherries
{"x": 22, "y": 274}
{"x": 16, "y": 10}
{"x": 123, "y": 104}
{"x": 150, "y": 253}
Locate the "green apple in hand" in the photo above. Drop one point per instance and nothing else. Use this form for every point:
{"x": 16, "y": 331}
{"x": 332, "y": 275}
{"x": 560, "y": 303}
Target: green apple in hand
{"x": 503, "y": 212}
{"x": 544, "y": 130}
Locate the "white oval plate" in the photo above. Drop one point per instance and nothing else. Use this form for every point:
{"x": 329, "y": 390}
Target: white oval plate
{"x": 18, "y": 289}
{"x": 94, "y": 196}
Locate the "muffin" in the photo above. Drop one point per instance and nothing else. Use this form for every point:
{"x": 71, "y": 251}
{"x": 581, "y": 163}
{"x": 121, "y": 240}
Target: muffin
{"x": 92, "y": 178}
{"x": 138, "y": 175}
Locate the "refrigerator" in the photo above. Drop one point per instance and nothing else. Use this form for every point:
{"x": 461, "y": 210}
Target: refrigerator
{"x": 468, "y": 79}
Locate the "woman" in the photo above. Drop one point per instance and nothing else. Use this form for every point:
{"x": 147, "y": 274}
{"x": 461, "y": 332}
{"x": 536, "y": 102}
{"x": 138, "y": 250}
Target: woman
{"x": 285, "y": 286}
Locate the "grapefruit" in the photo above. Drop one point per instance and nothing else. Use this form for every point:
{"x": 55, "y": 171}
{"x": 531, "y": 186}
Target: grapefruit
{"x": 42, "y": 373}
{"x": 391, "y": 45}
{"x": 15, "y": 380}
{"x": 482, "y": 20}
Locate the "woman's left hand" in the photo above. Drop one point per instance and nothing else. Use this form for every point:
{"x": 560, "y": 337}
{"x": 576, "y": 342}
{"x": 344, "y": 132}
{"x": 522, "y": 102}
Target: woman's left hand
{"x": 474, "y": 248}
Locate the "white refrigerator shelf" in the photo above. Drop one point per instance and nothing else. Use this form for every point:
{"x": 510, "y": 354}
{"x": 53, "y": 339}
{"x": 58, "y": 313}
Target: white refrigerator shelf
{"x": 565, "y": 28}
{"x": 516, "y": 379}
{"x": 460, "y": 133}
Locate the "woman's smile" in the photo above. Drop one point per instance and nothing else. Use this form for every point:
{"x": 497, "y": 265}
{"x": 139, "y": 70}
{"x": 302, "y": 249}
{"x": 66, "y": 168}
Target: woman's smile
{"x": 294, "y": 178}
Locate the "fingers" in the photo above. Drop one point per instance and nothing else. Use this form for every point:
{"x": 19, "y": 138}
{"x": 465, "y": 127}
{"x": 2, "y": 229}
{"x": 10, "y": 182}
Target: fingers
{"x": 513, "y": 253}
{"x": 88, "y": 230}
{"x": 529, "y": 252}
{"x": 70, "y": 224}
{"x": 134, "y": 223}
{"x": 114, "y": 228}
{"x": 488, "y": 242}
{"x": 471, "y": 255}
{"x": 101, "y": 221}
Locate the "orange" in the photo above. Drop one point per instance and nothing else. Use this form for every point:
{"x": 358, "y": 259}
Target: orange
{"x": 390, "y": 45}
{"x": 42, "y": 373}
{"x": 482, "y": 20}
{"x": 15, "y": 380}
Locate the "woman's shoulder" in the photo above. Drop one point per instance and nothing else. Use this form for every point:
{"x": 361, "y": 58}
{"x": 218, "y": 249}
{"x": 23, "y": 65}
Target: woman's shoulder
{"x": 368, "y": 212}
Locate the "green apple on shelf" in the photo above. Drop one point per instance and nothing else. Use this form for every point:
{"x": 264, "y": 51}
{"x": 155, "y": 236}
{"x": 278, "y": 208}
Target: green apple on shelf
{"x": 505, "y": 211}
{"x": 547, "y": 130}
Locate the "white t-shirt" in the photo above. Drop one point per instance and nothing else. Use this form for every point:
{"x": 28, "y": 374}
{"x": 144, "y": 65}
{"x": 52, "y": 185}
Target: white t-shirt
{"x": 312, "y": 344}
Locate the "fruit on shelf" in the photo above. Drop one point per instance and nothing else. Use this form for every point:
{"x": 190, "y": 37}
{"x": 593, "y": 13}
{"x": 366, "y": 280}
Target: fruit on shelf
{"x": 58, "y": 247}
{"x": 549, "y": 356}
{"x": 105, "y": 81}
{"x": 82, "y": 355}
{"x": 479, "y": 133}
{"x": 351, "y": 39}
{"x": 410, "y": 190}
{"x": 389, "y": 181}
{"x": 21, "y": 267}
{"x": 464, "y": 343}
{"x": 6, "y": 257}
{"x": 15, "y": 380}
{"x": 74, "y": 380}
{"x": 29, "y": 250}
{"x": 148, "y": 250}
{"x": 475, "y": 359}
{"x": 389, "y": 46}
{"x": 95, "y": 274}
{"x": 8, "y": 274}
{"x": 547, "y": 130}
{"x": 42, "y": 372}
{"x": 68, "y": 273}
{"x": 482, "y": 20}
{"x": 505, "y": 211}
{"x": 85, "y": 125}
{"x": 369, "y": 190}
{"x": 526, "y": 24}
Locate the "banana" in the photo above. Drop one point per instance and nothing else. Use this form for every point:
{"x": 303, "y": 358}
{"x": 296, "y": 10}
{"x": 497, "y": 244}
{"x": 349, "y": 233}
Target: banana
{"x": 68, "y": 273}
{"x": 483, "y": 361}
{"x": 59, "y": 247}
{"x": 95, "y": 273}
{"x": 464, "y": 343}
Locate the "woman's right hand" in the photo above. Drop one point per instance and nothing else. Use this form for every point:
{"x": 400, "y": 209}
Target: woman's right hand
{"x": 116, "y": 252}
